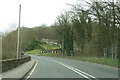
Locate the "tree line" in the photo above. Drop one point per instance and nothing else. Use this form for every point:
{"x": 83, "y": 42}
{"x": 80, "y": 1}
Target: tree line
{"x": 92, "y": 28}
{"x": 85, "y": 30}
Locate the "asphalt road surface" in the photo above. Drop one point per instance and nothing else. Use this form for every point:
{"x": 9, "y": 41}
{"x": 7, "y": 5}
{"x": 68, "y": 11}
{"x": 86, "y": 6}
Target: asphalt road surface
{"x": 50, "y": 67}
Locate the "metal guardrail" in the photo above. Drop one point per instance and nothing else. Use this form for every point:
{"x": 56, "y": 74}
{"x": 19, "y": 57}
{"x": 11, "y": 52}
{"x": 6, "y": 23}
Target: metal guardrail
{"x": 12, "y": 63}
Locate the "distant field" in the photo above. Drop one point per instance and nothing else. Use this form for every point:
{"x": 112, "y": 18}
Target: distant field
{"x": 51, "y": 54}
{"x": 47, "y": 47}
{"x": 36, "y": 52}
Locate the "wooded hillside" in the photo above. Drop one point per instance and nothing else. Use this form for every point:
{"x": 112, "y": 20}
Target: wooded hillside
{"x": 82, "y": 31}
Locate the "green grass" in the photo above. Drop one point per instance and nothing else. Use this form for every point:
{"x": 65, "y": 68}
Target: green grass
{"x": 50, "y": 54}
{"x": 50, "y": 47}
{"x": 36, "y": 52}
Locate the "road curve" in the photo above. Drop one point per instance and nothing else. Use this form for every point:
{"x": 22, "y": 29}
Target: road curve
{"x": 50, "y": 67}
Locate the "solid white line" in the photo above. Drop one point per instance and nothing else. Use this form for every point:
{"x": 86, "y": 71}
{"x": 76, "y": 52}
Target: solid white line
{"x": 32, "y": 70}
{"x": 82, "y": 72}
{"x": 77, "y": 71}
{"x": 73, "y": 69}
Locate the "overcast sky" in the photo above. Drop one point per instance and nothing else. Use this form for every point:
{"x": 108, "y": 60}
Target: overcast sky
{"x": 34, "y": 12}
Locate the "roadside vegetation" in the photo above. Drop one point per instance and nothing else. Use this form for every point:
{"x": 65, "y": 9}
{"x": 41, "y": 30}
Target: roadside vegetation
{"x": 98, "y": 60}
{"x": 38, "y": 51}
{"x": 42, "y": 51}
{"x": 35, "y": 52}
{"x": 48, "y": 47}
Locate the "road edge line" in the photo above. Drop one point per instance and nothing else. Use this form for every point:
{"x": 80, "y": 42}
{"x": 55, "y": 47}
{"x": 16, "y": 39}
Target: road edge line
{"x": 82, "y": 73}
{"x": 23, "y": 78}
{"x": 32, "y": 70}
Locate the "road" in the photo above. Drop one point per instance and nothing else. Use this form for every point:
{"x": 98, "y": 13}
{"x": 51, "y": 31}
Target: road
{"x": 50, "y": 67}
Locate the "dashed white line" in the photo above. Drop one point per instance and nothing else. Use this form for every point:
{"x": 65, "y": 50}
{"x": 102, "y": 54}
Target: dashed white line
{"x": 84, "y": 74}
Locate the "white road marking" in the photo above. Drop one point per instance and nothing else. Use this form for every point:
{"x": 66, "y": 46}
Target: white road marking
{"x": 84, "y": 74}
{"x": 32, "y": 70}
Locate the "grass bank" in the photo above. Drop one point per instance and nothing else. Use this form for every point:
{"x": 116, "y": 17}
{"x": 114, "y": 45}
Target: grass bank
{"x": 36, "y": 52}
{"x": 49, "y": 47}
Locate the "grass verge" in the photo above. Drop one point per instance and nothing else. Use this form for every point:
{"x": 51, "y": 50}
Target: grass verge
{"x": 50, "y": 47}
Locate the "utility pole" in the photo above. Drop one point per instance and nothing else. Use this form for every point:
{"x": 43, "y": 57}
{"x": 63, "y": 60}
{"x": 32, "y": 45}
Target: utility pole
{"x": 63, "y": 44}
{"x": 18, "y": 42}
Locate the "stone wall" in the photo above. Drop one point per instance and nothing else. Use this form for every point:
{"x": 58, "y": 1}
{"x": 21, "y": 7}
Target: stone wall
{"x": 12, "y": 63}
